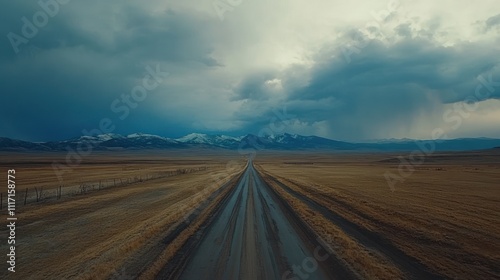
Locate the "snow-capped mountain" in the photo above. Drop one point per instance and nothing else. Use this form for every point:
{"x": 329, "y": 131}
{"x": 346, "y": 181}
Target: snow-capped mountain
{"x": 147, "y": 136}
{"x": 111, "y": 140}
{"x": 278, "y": 141}
{"x": 283, "y": 141}
{"x": 205, "y": 139}
{"x": 7, "y": 144}
{"x": 288, "y": 141}
{"x": 97, "y": 138}
{"x": 141, "y": 140}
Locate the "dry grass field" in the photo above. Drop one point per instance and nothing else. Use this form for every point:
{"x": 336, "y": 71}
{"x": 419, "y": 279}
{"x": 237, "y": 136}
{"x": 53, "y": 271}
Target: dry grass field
{"x": 98, "y": 234}
{"x": 439, "y": 222}
{"x": 442, "y": 219}
{"x": 105, "y": 167}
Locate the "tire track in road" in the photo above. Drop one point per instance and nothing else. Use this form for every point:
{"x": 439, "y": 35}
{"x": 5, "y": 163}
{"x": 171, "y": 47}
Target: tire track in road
{"x": 251, "y": 247}
{"x": 252, "y": 237}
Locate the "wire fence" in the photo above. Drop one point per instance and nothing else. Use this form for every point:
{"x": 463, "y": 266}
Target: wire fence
{"x": 43, "y": 194}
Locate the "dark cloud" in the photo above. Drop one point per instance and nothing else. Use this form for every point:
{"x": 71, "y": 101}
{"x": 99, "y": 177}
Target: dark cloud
{"x": 254, "y": 86}
{"x": 385, "y": 85}
{"x": 84, "y": 59}
{"x": 404, "y": 30}
{"x": 493, "y": 21}
{"x": 235, "y": 76}
{"x": 411, "y": 64}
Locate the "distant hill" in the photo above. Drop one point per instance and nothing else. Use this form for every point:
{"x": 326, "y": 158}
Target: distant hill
{"x": 16, "y": 145}
{"x": 283, "y": 141}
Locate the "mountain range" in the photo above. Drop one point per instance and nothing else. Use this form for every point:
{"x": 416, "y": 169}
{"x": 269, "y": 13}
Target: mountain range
{"x": 283, "y": 141}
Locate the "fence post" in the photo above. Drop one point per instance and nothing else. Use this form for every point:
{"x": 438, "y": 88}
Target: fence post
{"x": 25, "y": 196}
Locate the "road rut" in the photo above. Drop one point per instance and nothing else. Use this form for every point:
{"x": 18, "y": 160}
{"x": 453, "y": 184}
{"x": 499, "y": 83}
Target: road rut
{"x": 253, "y": 235}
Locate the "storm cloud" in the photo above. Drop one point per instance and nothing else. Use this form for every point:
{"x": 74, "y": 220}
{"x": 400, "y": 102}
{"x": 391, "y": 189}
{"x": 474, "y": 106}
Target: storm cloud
{"x": 346, "y": 71}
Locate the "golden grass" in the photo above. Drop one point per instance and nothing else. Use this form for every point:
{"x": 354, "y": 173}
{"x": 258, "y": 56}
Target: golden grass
{"x": 445, "y": 214}
{"x": 36, "y": 170}
{"x": 177, "y": 243}
{"x": 90, "y": 236}
{"x": 356, "y": 257}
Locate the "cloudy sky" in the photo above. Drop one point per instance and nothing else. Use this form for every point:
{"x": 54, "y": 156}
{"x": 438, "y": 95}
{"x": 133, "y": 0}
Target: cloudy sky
{"x": 348, "y": 70}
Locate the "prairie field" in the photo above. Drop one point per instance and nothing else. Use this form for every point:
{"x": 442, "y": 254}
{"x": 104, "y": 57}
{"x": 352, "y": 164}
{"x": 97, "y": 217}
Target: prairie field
{"x": 221, "y": 215}
{"x": 95, "y": 235}
{"x": 441, "y": 218}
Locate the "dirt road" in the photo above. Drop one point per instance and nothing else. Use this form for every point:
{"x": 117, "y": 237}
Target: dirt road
{"x": 254, "y": 236}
